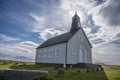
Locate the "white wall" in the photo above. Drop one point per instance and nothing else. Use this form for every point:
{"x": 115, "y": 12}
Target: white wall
{"x": 42, "y": 54}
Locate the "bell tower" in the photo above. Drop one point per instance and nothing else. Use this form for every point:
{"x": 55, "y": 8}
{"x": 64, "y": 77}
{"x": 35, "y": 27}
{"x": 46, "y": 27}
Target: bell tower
{"x": 75, "y": 23}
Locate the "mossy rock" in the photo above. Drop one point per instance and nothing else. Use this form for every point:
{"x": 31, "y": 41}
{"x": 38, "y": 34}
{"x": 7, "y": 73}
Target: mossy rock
{"x": 61, "y": 72}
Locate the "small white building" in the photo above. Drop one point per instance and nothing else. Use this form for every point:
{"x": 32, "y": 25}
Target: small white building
{"x": 71, "y": 48}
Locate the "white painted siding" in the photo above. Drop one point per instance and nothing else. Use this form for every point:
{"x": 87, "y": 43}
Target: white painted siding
{"x": 47, "y": 54}
{"x": 82, "y": 47}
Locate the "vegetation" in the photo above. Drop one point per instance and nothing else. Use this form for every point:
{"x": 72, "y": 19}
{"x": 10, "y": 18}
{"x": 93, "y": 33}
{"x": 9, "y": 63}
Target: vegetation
{"x": 43, "y": 77}
{"x": 111, "y": 73}
{"x": 61, "y": 72}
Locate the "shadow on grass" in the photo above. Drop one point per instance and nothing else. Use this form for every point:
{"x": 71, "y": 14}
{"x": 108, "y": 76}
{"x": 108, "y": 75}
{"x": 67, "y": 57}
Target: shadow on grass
{"x": 29, "y": 67}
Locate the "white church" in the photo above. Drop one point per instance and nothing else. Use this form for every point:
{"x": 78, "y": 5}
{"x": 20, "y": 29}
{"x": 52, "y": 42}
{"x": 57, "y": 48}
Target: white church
{"x": 69, "y": 49}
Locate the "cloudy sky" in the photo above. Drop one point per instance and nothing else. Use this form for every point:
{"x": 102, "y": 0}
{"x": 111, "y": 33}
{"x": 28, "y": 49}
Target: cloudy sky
{"x": 25, "y": 24}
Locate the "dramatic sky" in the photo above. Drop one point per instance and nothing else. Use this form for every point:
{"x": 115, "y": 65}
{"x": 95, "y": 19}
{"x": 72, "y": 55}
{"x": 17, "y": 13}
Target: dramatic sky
{"x": 25, "y": 24}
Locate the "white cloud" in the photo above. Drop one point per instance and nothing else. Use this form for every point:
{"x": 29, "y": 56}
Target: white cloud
{"x": 60, "y": 18}
{"x": 4, "y": 37}
{"x": 26, "y": 49}
{"x": 87, "y": 30}
{"x": 37, "y": 18}
{"x": 82, "y": 7}
{"x": 49, "y": 33}
{"x": 51, "y": 24}
{"x": 30, "y": 43}
{"x": 39, "y": 23}
{"x": 102, "y": 15}
{"x": 107, "y": 53}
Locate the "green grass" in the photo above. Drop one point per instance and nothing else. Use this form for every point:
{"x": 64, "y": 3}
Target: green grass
{"x": 5, "y": 66}
{"x": 115, "y": 67}
{"x": 113, "y": 73}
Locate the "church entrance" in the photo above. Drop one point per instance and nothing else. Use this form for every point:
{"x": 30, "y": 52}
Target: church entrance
{"x": 81, "y": 56}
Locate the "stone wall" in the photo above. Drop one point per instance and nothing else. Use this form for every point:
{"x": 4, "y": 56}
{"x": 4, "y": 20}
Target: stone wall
{"x": 19, "y": 74}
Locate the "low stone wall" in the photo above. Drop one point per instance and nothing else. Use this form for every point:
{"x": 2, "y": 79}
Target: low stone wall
{"x": 20, "y": 74}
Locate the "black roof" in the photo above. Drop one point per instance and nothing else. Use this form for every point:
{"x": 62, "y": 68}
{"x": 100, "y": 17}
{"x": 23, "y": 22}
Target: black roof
{"x": 58, "y": 39}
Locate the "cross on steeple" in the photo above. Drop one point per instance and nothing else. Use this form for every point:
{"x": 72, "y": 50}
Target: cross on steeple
{"x": 75, "y": 23}
{"x": 75, "y": 11}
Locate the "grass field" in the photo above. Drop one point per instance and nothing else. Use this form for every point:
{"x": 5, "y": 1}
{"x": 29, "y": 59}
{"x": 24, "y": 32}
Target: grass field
{"x": 111, "y": 73}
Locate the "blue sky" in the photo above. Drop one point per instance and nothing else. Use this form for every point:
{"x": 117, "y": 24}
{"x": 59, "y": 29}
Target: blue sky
{"x": 25, "y": 24}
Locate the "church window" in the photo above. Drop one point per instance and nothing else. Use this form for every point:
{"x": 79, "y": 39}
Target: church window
{"x": 81, "y": 38}
{"x": 50, "y": 53}
{"x": 39, "y": 51}
{"x": 74, "y": 52}
{"x": 85, "y": 55}
{"x": 57, "y": 52}
{"x": 39, "y": 55}
{"x": 80, "y": 55}
{"x": 44, "y": 53}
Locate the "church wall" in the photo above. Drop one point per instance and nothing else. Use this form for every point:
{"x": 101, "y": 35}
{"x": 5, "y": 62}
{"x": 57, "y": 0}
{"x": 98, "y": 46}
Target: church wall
{"x": 48, "y": 54}
{"x": 80, "y": 45}
{"x": 87, "y": 47}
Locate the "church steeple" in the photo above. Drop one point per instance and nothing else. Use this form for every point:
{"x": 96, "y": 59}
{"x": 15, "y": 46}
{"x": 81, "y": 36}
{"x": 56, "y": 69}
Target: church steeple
{"x": 75, "y": 23}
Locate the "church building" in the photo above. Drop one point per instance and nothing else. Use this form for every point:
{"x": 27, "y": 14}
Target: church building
{"x": 68, "y": 49}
